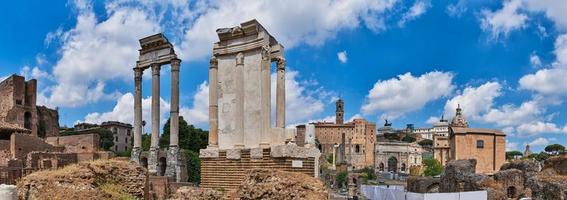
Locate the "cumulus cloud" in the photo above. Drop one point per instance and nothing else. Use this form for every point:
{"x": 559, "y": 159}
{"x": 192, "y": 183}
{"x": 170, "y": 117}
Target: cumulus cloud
{"x": 509, "y": 114}
{"x": 35, "y": 73}
{"x": 474, "y": 100}
{"x": 406, "y": 93}
{"x": 535, "y": 61}
{"x": 416, "y": 10}
{"x": 554, "y": 10}
{"x": 94, "y": 52}
{"x": 538, "y": 127}
{"x": 292, "y": 22}
{"x": 539, "y": 142}
{"x": 198, "y": 114}
{"x": 511, "y": 146}
{"x": 342, "y": 56}
{"x": 501, "y": 22}
{"x": 549, "y": 81}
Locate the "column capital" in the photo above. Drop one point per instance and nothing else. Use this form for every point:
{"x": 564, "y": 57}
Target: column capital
{"x": 240, "y": 58}
{"x": 280, "y": 62}
{"x": 265, "y": 53}
{"x": 156, "y": 69}
{"x": 213, "y": 63}
{"x": 175, "y": 64}
{"x": 138, "y": 72}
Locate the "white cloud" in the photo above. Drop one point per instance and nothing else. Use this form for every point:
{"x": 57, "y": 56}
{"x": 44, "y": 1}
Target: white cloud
{"x": 33, "y": 73}
{"x": 418, "y": 9}
{"x": 406, "y": 93}
{"x": 198, "y": 114}
{"x": 549, "y": 81}
{"x": 510, "y": 115}
{"x": 432, "y": 120}
{"x": 511, "y": 146}
{"x": 535, "y": 61}
{"x": 123, "y": 112}
{"x": 501, "y": 22}
{"x": 536, "y": 128}
{"x": 474, "y": 100}
{"x": 94, "y": 52}
{"x": 539, "y": 142}
{"x": 303, "y": 101}
{"x": 553, "y": 9}
{"x": 342, "y": 56}
{"x": 292, "y": 22}
{"x": 457, "y": 9}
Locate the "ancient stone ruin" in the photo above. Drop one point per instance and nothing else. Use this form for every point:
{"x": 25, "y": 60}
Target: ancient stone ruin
{"x": 155, "y": 52}
{"x": 240, "y": 132}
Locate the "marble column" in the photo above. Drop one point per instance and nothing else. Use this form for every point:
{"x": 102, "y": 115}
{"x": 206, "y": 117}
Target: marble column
{"x": 280, "y": 93}
{"x": 137, "y": 149}
{"x": 266, "y": 98}
{"x": 239, "y": 110}
{"x": 173, "y": 167}
{"x": 213, "y": 103}
{"x": 154, "y": 146}
{"x": 174, "y": 110}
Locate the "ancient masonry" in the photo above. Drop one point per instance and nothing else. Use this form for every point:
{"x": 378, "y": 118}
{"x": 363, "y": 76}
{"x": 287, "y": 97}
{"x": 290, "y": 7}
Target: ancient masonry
{"x": 157, "y": 51}
{"x": 240, "y": 134}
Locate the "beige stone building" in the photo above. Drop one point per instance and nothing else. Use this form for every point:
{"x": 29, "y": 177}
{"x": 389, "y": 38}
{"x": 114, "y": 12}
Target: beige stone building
{"x": 122, "y": 135}
{"x": 487, "y": 146}
{"x": 359, "y": 138}
{"x": 395, "y": 156}
{"x": 18, "y": 106}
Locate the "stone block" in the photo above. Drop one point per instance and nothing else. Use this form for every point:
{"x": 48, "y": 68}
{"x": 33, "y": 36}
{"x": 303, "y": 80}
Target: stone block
{"x": 209, "y": 153}
{"x": 233, "y": 154}
{"x": 256, "y": 153}
{"x": 135, "y": 156}
{"x": 293, "y": 151}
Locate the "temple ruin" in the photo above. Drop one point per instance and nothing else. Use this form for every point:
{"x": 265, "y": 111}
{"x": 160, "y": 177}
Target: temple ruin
{"x": 240, "y": 133}
{"x": 155, "y": 52}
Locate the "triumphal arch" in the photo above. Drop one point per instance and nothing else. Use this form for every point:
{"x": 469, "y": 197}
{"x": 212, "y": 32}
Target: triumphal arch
{"x": 241, "y": 136}
{"x": 156, "y": 51}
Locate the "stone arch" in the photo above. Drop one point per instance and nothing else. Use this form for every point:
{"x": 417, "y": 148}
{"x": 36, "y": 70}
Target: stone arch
{"x": 381, "y": 167}
{"x": 144, "y": 162}
{"x": 392, "y": 164}
{"x": 403, "y": 167}
{"x": 28, "y": 120}
{"x": 511, "y": 192}
{"x": 162, "y": 165}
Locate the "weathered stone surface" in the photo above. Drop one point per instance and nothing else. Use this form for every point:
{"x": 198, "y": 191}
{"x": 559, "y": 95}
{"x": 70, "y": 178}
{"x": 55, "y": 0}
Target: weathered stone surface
{"x": 548, "y": 187}
{"x": 422, "y": 184}
{"x": 256, "y": 153}
{"x": 209, "y": 153}
{"x": 101, "y": 179}
{"x": 173, "y": 168}
{"x": 456, "y": 175}
{"x": 527, "y": 166}
{"x": 512, "y": 181}
{"x": 293, "y": 151}
{"x": 233, "y": 154}
{"x": 275, "y": 184}
{"x": 558, "y": 164}
{"x": 195, "y": 193}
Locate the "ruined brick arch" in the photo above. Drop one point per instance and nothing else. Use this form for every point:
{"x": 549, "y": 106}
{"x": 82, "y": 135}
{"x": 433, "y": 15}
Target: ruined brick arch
{"x": 28, "y": 120}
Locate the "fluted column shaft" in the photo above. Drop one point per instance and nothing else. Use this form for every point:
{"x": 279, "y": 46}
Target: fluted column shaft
{"x": 155, "y": 105}
{"x": 138, "y": 107}
{"x": 174, "y": 110}
{"x": 239, "y": 118}
{"x": 280, "y": 94}
{"x": 213, "y": 103}
{"x": 266, "y": 98}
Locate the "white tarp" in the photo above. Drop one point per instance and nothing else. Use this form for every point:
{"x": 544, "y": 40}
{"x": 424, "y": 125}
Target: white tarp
{"x": 8, "y": 192}
{"x": 397, "y": 193}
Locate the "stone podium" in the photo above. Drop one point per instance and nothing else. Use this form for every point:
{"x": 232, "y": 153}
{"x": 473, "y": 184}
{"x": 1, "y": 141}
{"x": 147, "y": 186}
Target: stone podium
{"x": 240, "y": 132}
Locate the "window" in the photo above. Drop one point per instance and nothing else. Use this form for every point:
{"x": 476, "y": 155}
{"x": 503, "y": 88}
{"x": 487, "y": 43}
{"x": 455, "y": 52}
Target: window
{"x": 126, "y": 140}
{"x": 480, "y": 144}
{"x": 116, "y": 138}
{"x": 19, "y": 101}
{"x": 128, "y": 132}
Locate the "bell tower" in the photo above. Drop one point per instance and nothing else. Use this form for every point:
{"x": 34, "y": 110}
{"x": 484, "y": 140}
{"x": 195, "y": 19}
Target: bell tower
{"x": 340, "y": 111}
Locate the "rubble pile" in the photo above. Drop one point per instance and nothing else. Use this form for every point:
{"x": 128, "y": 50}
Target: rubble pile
{"x": 196, "y": 193}
{"x": 100, "y": 179}
{"x": 275, "y": 184}
{"x": 551, "y": 182}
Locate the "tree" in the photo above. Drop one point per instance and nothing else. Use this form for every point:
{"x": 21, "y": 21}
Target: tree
{"x": 368, "y": 173}
{"x": 555, "y": 149}
{"x": 426, "y": 142}
{"x": 146, "y": 142}
{"x": 193, "y": 166}
{"x": 512, "y": 154}
{"x": 542, "y": 156}
{"x": 190, "y": 138}
{"x": 341, "y": 179}
{"x": 432, "y": 167}
{"x": 391, "y": 136}
{"x": 408, "y": 138}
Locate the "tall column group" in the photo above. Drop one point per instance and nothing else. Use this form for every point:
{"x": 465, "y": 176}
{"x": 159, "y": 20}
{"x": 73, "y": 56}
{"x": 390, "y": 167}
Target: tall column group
{"x": 173, "y": 158}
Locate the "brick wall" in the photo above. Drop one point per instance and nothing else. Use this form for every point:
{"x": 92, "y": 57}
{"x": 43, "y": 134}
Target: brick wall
{"x": 22, "y": 144}
{"x": 86, "y": 143}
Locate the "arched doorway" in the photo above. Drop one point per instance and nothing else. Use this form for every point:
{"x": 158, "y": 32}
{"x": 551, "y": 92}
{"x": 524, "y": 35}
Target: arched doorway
{"x": 144, "y": 162}
{"x": 403, "y": 168}
{"x": 511, "y": 192}
{"x": 381, "y": 167}
{"x": 392, "y": 164}
{"x": 28, "y": 120}
{"x": 162, "y": 165}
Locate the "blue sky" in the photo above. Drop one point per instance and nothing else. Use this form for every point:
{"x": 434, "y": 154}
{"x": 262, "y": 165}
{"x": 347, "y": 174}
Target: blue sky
{"x": 406, "y": 61}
